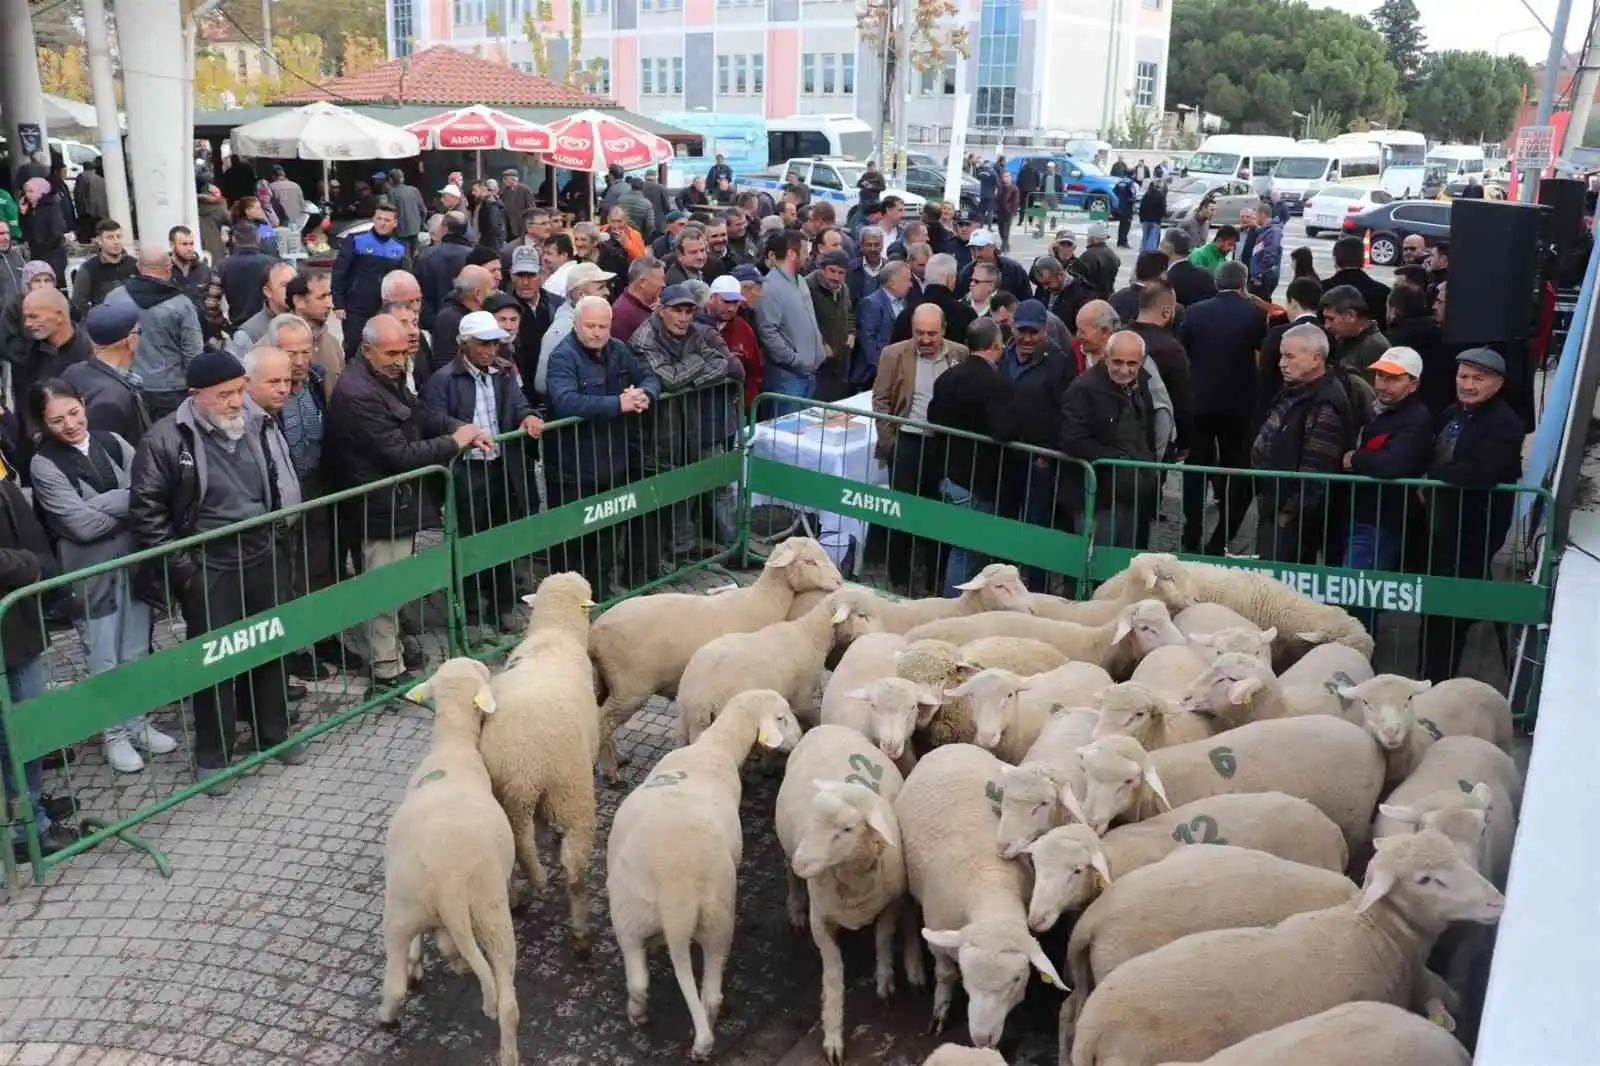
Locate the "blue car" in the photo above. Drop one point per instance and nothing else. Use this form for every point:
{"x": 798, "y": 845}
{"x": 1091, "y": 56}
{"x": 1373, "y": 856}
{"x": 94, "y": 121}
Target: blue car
{"x": 1087, "y": 185}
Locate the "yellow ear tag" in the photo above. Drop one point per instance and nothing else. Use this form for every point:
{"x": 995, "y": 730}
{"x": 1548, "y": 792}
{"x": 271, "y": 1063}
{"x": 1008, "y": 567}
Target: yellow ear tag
{"x": 1047, "y": 979}
{"x": 1249, "y": 700}
{"x": 770, "y": 738}
{"x": 484, "y": 705}
{"x": 418, "y": 694}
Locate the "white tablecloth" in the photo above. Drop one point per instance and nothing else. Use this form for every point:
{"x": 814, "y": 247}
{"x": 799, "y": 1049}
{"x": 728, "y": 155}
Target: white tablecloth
{"x": 829, "y": 442}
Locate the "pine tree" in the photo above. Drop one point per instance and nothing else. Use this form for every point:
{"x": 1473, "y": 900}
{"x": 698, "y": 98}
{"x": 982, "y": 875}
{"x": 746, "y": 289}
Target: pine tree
{"x": 1400, "y": 24}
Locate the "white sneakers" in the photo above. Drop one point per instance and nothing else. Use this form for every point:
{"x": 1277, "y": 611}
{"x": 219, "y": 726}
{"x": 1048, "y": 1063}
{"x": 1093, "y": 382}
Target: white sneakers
{"x": 122, "y": 743}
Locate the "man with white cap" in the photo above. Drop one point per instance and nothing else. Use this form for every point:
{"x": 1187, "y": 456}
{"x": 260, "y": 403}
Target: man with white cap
{"x": 1013, "y": 275}
{"x": 1098, "y": 263}
{"x": 1396, "y": 442}
{"x": 481, "y": 388}
{"x": 721, "y": 312}
{"x": 583, "y": 279}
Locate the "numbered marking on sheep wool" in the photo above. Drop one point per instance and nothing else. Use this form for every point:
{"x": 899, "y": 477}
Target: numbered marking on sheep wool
{"x": 995, "y": 794}
{"x": 1224, "y": 762}
{"x": 868, "y": 773}
{"x": 1339, "y": 680}
{"x": 1202, "y": 829}
{"x": 435, "y": 775}
{"x": 1433, "y": 730}
{"x": 663, "y": 780}
{"x": 616, "y": 505}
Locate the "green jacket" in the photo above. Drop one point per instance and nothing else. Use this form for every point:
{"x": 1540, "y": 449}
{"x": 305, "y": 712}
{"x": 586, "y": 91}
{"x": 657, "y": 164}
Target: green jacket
{"x": 1208, "y": 257}
{"x": 10, "y": 215}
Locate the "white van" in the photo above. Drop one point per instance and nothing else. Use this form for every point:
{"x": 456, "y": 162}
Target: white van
{"x": 1457, "y": 161}
{"x": 807, "y": 135}
{"x": 1235, "y": 155}
{"x": 1311, "y": 166}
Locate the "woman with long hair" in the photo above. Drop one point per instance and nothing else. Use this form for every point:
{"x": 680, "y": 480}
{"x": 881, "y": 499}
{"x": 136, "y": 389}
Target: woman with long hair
{"x": 247, "y": 211}
{"x": 1303, "y": 268}
{"x": 80, "y": 488}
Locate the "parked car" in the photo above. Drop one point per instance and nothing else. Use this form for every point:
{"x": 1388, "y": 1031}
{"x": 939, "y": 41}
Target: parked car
{"x": 928, "y": 183}
{"x": 1230, "y": 195}
{"x": 1328, "y": 207}
{"x": 1390, "y": 224}
{"x": 1492, "y": 190}
{"x": 1087, "y": 185}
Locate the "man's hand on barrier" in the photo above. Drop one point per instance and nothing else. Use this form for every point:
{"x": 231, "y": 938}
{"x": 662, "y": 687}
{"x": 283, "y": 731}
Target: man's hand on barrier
{"x": 1348, "y": 456}
{"x": 634, "y": 400}
{"x": 533, "y": 425}
{"x": 470, "y": 436}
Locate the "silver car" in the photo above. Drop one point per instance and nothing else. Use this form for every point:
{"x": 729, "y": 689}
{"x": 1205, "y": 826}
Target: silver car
{"x": 1230, "y": 194}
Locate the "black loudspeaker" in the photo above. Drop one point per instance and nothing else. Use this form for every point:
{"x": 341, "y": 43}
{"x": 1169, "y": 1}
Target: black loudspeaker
{"x": 1497, "y": 256}
{"x": 1564, "y": 198}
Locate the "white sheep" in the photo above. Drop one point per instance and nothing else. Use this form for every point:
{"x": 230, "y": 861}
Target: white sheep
{"x": 1351, "y": 1034}
{"x": 886, "y": 711}
{"x": 1209, "y": 991}
{"x": 1193, "y": 890}
{"x": 641, "y": 646}
{"x": 958, "y": 1055}
{"x": 1068, "y": 730}
{"x": 1071, "y": 863}
{"x": 868, "y": 658}
{"x": 1203, "y": 619}
{"x": 974, "y": 916}
{"x": 1117, "y": 644}
{"x": 1238, "y": 688}
{"x": 448, "y": 859}
{"x": 1331, "y": 764}
{"x": 1134, "y": 709}
{"x": 1405, "y": 717}
{"x": 1490, "y": 792}
{"x": 1299, "y": 620}
{"x": 1021, "y": 655}
{"x": 1010, "y": 711}
{"x": 1031, "y": 801}
{"x": 1254, "y": 642}
{"x": 786, "y": 657}
{"x": 835, "y": 820}
{"x": 1170, "y": 670}
{"x": 672, "y": 859}
{"x": 540, "y": 746}
{"x": 997, "y": 587}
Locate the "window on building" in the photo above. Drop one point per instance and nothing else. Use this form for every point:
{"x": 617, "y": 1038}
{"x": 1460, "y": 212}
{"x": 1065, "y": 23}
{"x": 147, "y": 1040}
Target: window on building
{"x": 647, "y": 79}
{"x": 596, "y": 7}
{"x": 847, "y": 74}
{"x": 1144, "y": 85}
{"x": 677, "y": 76}
{"x": 949, "y": 83}
{"x": 758, "y": 64}
{"x": 741, "y": 75}
{"x": 402, "y": 29}
{"x": 724, "y": 65}
{"x": 808, "y": 74}
{"x": 829, "y": 84}
{"x": 660, "y": 5}
{"x": 999, "y": 44}
{"x": 1153, "y": 5}
{"x": 602, "y": 82}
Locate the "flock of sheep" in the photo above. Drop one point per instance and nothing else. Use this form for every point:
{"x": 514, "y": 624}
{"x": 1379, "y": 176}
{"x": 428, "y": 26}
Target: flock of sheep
{"x": 976, "y": 770}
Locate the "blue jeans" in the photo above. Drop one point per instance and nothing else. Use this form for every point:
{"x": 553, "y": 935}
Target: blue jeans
{"x": 25, "y": 682}
{"x": 963, "y": 564}
{"x": 1371, "y": 548}
{"x": 777, "y": 379}
{"x": 1151, "y": 238}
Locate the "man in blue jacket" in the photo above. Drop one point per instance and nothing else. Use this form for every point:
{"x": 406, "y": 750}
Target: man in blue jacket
{"x": 596, "y": 377}
{"x": 359, "y": 271}
{"x": 876, "y": 317}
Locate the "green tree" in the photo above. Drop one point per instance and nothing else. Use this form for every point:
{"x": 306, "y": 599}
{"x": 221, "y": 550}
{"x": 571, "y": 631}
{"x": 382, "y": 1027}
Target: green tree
{"x": 1468, "y": 96}
{"x": 1406, "y": 44}
{"x": 1255, "y": 62}
{"x": 318, "y": 18}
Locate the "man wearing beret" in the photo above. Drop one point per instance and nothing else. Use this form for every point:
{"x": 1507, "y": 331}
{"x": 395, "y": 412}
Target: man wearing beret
{"x": 111, "y": 392}
{"x": 216, "y": 461}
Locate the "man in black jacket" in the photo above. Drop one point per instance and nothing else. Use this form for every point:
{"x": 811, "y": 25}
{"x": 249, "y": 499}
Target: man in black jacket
{"x": 973, "y": 396}
{"x": 1148, "y": 267}
{"x": 242, "y": 274}
{"x": 111, "y": 395}
{"x": 1348, "y": 256}
{"x": 377, "y": 428}
{"x": 939, "y": 279}
{"x": 1479, "y": 445}
{"x": 1301, "y": 300}
{"x": 1013, "y": 275}
{"x": 1396, "y": 442}
{"x": 469, "y": 290}
{"x": 1190, "y": 283}
{"x": 1157, "y": 306}
{"x": 1411, "y": 325}
{"x": 438, "y": 266}
{"x": 1108, "y": 413}
{"x": 103, "y": 273}
{"x": 1221, "y": 336}
{"x": 216, "y": 461}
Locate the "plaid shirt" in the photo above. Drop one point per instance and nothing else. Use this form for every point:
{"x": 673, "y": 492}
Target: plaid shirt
{"x": 483, "y": 409}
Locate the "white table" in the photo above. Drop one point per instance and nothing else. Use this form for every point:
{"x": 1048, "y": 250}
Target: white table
{"x": 829, "y": 442}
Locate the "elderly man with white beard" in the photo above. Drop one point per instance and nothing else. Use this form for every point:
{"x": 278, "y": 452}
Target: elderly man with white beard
{"x": 215, "y": 461}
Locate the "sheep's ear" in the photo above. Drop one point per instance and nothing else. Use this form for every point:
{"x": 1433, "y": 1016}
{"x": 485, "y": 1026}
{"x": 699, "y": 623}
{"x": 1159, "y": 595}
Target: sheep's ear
{"x": 879, "y": 822}
{"x": 1069, "y": 800}
{"x": 1205, "y": 640}
{"x": 1101, "y": 867}
{"x": 1312, "y": 637}
{"x": 528, "y": 598}
{"x": 422, "y": 692}
{"x": 1124, "y": 626}
{"x": 841, "y": 613}
{"x": 926, "y": 709}
{"x": 588, "y": 605}
{"x": 960, "y": 690}
{"x": 967, "y": 671}
{"x": 1419, "y": 687}
{"x": 1242, "y": 692}
{"x": 770, "y": 735}
{"x": 975, "y": 584}
{"x": 484, "y": 700}
{"x": 1151, "y": 576}
{"x": 1269, "y": 635}
{"x": 1483, "y": 795}
{"x": 1380, "y": 882}
{"x": 1403, "y": 815}
{"x": 943, "y": 939}
{"x": 1047, "y": 972}
{"x": 782, "y": 555}
{"x": 1153, "y": 781}
{"x": 1347, "y": 692}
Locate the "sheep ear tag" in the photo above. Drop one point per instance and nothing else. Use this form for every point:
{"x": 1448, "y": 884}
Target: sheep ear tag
{"x": 484, "y": 700}
{"x": 419, "y": 694}
{"x": 769, "y": 737}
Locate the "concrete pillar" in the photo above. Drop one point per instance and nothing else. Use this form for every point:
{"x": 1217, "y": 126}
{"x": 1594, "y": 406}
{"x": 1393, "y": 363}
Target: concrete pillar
{"x": 160, "y": 166}
{"x": 104, "y": 85}
{"x": 24, "y": 98}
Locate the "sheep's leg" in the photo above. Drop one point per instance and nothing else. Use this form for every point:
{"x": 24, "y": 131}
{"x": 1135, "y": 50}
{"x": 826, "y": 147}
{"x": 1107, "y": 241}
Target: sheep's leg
{"x": 576, "y": 846}
{"x": 636, "y": 967}
{"x": 945, "y": 975}
{"x": 414, "y": 960}
{"x": 825, "y": 933}
{"x": 492, "y": 917}
{"x": 683, "y": 970}
{"x": 1068, "y": 1020}
{"x": 398, "y": 940}
{"x": 911, "y": 936}
{"x": 456, "y": 917}
{"x": 796, "y": 903}
{"x": 447, "y": 951}
{"x": 883, "y": 936}
{"x": 614, "y": 714}
{"x": 526, "y": 828}
{"x": 716, "y": 944}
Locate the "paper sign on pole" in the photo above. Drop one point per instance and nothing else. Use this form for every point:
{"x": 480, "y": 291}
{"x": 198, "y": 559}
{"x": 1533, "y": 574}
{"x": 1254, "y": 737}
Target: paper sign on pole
{"x": 1535, "y": 148}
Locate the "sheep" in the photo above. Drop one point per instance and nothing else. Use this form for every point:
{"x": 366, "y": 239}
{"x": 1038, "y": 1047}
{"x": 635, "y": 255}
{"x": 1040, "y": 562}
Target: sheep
{"x": 1237, "y": 688}
{"x": 1068, "y": 730}
{"x": 1116, "y": 645}
{"x": 641, "y": 646}
{"x": 1204, "y": 619}
{"x": 997, "y": 587}
{"x": 1193, "y": 890}
{"x": 1487, "y": 790}
{"x": 540, "y": 746}
{"x": 1208, "y": 991}
{"x": 867, "y": 659}
{"x": 1097, "y": 611}
{"x": 1009, "y": 712}
{"x": 1331, "y": 764}
{"x": 1134, "y": 709}
{"x": 448, "y": 859}
{"x": 1022, "y": 655}
{"x": 1030, "y": 801}
{"x": 972, "y": 900}
{"x": 835, "y": 820}
{"x": 1392, "y": 707}
{"x": 1256, "y": 643}
{"x": 886, "y": 711}
{"x": 1299, "y": 620}
{"x": 784, "y": 656}
{"x": 1170, "y": 670}
{"x": 957, "y": 1055}
{"x": 1351, "y": 1034}
{"x": 1066, "y": 858}
{"x": 673, "y": 855}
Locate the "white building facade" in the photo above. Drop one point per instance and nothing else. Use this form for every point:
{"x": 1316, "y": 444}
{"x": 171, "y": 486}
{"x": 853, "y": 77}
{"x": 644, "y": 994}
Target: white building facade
{"x": 1070, "y": 65}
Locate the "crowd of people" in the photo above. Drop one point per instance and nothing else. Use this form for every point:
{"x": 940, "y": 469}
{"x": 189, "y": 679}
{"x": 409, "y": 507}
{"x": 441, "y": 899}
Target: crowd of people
{"x": 171, "y": 396}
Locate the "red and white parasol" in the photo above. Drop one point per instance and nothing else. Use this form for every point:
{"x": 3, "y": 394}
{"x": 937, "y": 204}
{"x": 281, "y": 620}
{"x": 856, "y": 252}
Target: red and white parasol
{"x": 592, "y": 141}
{"x": 480, "y": 128}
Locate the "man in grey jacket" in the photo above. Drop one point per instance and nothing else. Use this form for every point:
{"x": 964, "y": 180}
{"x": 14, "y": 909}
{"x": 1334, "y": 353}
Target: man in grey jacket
{"x": 169, "y": 332}
{"x": 787, "y": 320}
{"x": 409, "y": 208}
